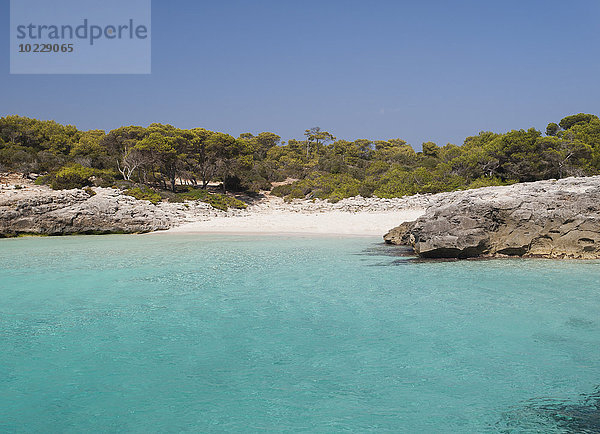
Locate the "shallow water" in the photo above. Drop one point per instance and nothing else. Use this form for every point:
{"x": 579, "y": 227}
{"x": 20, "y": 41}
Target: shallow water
{"x": 171, "y": 333}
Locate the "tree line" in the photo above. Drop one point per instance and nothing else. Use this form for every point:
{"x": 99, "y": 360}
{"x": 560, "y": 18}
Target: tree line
{"x": 163, "y": 157}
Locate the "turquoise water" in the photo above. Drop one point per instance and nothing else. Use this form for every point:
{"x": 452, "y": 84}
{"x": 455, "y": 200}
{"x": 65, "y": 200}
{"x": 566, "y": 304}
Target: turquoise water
{"x": 175, "y": 333}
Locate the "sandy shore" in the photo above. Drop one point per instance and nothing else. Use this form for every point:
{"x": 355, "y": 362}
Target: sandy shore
{"x": 27, "y": 208}
{"x": 276, "y": 219}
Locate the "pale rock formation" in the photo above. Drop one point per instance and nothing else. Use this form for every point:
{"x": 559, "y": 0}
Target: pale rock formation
{"x": 552, "y": 219}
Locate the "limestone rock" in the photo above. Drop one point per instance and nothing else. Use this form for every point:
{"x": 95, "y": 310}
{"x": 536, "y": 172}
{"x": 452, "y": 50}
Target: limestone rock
{"x": 552, "y": 219}
{"x": 400, "y": 235}
{"x": 39, "y": 210}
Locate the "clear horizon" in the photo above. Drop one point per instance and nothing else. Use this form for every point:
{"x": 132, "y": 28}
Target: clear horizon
{"x": 429, "y": 72}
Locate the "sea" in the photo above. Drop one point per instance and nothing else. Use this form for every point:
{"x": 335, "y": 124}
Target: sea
{"x": 241, "y": 333}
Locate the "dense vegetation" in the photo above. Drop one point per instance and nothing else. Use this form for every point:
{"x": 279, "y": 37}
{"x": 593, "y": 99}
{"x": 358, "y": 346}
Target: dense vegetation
{"x": 160, "y": 158}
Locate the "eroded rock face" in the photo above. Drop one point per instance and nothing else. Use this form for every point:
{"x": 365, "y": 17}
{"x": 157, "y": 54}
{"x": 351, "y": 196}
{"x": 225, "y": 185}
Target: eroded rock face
{"x": 39, "y": 210}
{"x": 400, "y": 235}
{"x": 553, "y": 219}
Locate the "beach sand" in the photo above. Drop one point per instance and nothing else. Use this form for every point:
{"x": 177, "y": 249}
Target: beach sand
{"x": 322, "y": 223}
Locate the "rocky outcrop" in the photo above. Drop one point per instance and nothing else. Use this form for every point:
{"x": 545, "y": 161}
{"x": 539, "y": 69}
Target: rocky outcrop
{"x": 551, "y": 219}
{"x": 39, "y": 210}
{"x": 400, "y": 235}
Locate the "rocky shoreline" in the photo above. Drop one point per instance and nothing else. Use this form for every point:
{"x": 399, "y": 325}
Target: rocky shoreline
{"x": 37, "y": 210}
{"x": 545, "y": 219}
{"x": 550, "y": 219}
{"x": 42, "y": 211}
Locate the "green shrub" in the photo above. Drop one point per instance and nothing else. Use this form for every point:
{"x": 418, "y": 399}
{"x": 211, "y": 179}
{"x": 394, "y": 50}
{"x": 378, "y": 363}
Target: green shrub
{"x": 69, "y": 177}
{"x": 144, "y": 193}
{"x": 333, "y": 187}
{"x": 43, "y": 180}
{"x": 77, "y": 176}
{"x": 282, "y": 190}
{"x": 367, "y": 187}
{"x": 89, "y": 191}
{"x": 486, "y": 181}
{"x": 104, "y": 178}
{"x": 399, "y": 182}
{"x": 218, "y": 201}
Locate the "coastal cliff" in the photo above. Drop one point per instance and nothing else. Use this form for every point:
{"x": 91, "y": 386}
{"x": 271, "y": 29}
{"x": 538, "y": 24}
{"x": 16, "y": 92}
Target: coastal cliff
{"x": 550, "y": 219}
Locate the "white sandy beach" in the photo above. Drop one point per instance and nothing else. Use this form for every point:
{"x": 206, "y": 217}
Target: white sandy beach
{"x": 332, "y": 222}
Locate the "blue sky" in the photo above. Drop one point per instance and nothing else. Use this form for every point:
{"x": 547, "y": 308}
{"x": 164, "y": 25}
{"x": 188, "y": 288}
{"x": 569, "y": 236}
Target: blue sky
{"x": 427, "y": 70}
